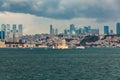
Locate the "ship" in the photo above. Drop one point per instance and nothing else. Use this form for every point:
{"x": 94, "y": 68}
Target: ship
{"x": 80, "y": 47}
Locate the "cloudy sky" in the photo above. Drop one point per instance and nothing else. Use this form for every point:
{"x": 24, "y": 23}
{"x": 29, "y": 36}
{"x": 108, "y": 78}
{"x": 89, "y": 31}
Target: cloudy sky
{"x": 37, "y": 15}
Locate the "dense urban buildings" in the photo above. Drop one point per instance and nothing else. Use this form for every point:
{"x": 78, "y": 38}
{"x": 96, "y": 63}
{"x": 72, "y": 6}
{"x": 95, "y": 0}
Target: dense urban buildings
{"x": 73, "y": 30}
{"x": 71, "y": 37}
{"x": 11, "y": 33}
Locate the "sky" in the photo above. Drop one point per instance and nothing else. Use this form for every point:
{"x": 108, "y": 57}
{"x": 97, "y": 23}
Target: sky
{"x": 37, "y": 15}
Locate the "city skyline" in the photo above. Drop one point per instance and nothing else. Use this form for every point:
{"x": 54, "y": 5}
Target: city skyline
{"x": 72, "y": 29}
{"x": 37, "y": 15}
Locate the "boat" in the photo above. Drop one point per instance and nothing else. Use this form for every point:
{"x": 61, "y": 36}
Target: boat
{"x": 80, "y": 47}
{"x": 53, "y": 47}
{"x": 42, "y": 46}
{"x": 21, "y": 46}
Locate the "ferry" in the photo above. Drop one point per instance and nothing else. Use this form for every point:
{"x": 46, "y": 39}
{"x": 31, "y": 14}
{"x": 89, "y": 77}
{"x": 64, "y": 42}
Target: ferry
{"x": 43, "y": 46}
{"x": 80, "y": 47}
{"x": 21, "y": 46}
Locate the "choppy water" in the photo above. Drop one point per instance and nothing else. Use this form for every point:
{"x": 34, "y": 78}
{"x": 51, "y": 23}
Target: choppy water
{"x": 74, "y": 64}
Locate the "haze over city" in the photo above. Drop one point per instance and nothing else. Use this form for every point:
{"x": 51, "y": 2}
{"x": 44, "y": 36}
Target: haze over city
{"x": 37, "y": 15}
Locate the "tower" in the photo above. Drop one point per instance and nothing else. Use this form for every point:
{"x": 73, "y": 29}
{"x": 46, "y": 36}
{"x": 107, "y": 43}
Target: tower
{"x": 3, "y": 32}
{"x": 8, "y": 27}
{"x": 10, "y": 36}
{"x": 2, "y": 35}
{"x": 72, "y": 28}
{"x": 87, "y": 29}
{"x": 51, "y": 29}
{"x": 78, "y": 31}
{"x": 20, "y": 30}
{"x": 56, "y": 31}
{"x": 3, "y": 27}
{"x": 65, "y": 31}
{"x": 106, "y": 30}
{"x": 15, "y": 33}
{"x": 118, "y": 28}
{"x": 7, "y": 32}
{"x": 14, "y": 30}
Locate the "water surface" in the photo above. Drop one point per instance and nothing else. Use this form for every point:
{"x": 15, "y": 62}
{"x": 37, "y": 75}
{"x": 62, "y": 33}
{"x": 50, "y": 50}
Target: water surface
{"x": 49, "y": 64}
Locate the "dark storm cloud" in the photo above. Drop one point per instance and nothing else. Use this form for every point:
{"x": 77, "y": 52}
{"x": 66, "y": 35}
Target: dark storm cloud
{"x": 65, "y": 9}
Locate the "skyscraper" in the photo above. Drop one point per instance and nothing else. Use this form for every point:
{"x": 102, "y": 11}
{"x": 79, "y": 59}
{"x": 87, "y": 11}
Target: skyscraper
{"x": 87, "y": 29}
{"x": 16, "y": 39}
{"x": 118, "y": 28}
{"x": 14, "y": 27}
{"x": 2, "y": 35}
{"x": 106, "y": 30}
{"x": 65, "y": 31}
{"x": 72, "y": 28}
{"x": 56, "y": 31}
{"x": 3, "y": 27}
{"x": 20, "y": 30}
{"x": 51, "y": 29}
{"x": 7, "y": 32}
{"x": 8, "y": 27}
{"x": 10, "y": 36}
{"x": 3, "y": 32}
{"x": 111, "y": 32}
{"x": 79, "y": 31}
{"x": 14, "y": 32}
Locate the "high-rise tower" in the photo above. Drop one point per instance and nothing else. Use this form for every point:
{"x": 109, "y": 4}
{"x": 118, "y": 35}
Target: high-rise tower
{"x": 118, "y": 28}
{"x": 7, "y": 32}
{"x": 106, "y": 30}
{"x": 51, "y": 30}
{"x": 3, "y": 32}
{"x": 15, "y": 32}
{"x": 20, "y": 30}
{"x": 72, "y": 28}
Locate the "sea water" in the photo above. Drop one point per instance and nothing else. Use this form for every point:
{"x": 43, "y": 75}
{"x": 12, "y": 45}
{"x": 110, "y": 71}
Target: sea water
{"x": 55, "y": 64}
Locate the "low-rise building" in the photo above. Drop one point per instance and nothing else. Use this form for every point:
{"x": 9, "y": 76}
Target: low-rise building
{"x": 2, "y": 44}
